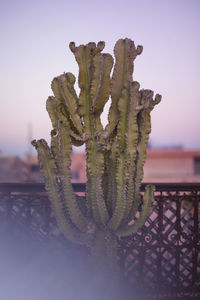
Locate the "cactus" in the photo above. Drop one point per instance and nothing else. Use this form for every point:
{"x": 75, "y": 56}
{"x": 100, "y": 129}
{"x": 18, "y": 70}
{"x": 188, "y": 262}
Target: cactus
{"x": 115, "y": 155}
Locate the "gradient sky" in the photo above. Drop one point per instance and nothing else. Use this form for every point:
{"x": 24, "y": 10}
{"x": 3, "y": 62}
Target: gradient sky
{"x": 34, "y": 49}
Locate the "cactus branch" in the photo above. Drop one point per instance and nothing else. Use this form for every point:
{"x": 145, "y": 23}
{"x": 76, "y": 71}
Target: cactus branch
{"x": 63, "y": 149}
{"x": 127, "y": 230}
{"x": 125, "y": 53}
{"x": 47, "y": 167}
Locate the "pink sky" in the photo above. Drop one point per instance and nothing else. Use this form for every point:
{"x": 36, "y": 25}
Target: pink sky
{"x": 34, "y": 49}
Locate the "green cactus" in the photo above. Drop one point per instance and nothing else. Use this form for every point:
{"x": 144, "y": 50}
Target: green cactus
{"x": 115, "y": 155}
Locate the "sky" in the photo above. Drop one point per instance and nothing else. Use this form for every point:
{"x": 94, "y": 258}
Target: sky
{"x": 34, "y": 49}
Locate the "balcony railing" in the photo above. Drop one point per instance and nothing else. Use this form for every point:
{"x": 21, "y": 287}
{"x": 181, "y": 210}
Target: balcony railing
{"x": 163, "y": 257}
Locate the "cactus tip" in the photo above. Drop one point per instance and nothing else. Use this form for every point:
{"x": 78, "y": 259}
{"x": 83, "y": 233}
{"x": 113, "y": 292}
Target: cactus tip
{"x": 101, "y": 45}
{"x": 139, "y": 49}
{"x": 92, "y": 47}
{"x": 72, "y": 46}
{"x": 158, "y": 98}
{"x": 136, "y": 85}
{"x": 70, "y": 77}
{"x": 34, "y": 143}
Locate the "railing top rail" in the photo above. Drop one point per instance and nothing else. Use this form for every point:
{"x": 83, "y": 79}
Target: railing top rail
{"x": 31, "y": 187}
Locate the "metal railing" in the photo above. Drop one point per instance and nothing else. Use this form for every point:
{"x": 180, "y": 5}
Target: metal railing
{"x": 163, "y": 257}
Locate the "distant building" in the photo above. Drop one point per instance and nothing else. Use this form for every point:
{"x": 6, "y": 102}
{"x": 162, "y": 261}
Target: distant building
{"x": 12, "y": 169}
{"x": 172, "y": 165}
{"x": 16, "y": 169}
{"x": 162, "y": 165}
{"x": 78, "y": 167}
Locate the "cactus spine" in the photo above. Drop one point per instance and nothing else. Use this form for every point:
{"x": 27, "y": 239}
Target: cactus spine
{"x": 115, "y": 155}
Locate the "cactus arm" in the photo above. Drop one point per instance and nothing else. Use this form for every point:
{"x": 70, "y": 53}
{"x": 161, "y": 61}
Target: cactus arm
{"x": 111, "y": 154}
{"x": 127, "y": 230}
{"x": 120, "y": 203}
{"x": 132, "y": 126}
{"x": 100, "y": 88}
{"x": 106, "y": 181}
{"x": 85, "y": 58}
{"x": 63, "y": 88}
{"x": 127, "y": 136}
{"x": 62, "y": 151}
{"x": 66, "y": 83}
{"x": 57, "y": 109}
{"x": 93, "y": 84}
{"x": 144, "y": 129}
{"x": 131, "y": 141}
{"x": 125, "y": 53}
{"x": 114, "y": 156}
{"x": 121, "y": 174}
{"x": 48, "y": 169}
{"x": 103, "y": 212}
{"x": 52, "y": 110}
{"x": 82, "y": 55}
{"x": 95, "y": 169}
{"x": 90, "y": 184}
{"x": 55, "y": 114}
{"x": 123, "y": 107}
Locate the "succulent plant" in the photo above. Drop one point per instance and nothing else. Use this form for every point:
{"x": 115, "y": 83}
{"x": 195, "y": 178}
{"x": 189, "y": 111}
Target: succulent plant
{"x": 115, "y": 154}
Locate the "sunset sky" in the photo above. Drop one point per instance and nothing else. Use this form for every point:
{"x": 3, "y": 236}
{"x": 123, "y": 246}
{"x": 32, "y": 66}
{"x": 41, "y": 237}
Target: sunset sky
{"x": 34, "y": 48}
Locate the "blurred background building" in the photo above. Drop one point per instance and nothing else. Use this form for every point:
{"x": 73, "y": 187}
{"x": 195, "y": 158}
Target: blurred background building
{"x": 162, "y": 165}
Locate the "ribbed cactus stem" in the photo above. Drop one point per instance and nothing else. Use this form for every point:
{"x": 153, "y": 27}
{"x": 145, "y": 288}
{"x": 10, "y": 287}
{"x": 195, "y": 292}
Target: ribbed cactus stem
{"x": 48, "y": 169}
{"x": 147, "y": 201}
{"x": 115, "y": 155}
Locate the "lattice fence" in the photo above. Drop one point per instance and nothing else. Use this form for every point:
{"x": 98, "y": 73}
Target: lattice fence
{"x": 162, "y": 259}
